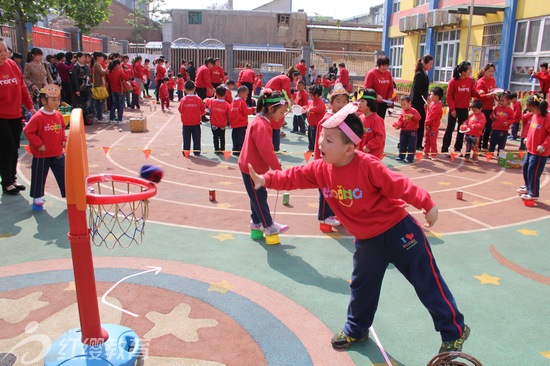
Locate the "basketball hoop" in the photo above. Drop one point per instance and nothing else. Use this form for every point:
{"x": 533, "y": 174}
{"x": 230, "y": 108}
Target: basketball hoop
{"x": 454, "y": 358}
{"x": 119, "y": 206}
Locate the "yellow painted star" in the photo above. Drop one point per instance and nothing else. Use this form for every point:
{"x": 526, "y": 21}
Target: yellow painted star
{"x": 70, "y": 286}
{"x": 224, "y": 237}
{"x": 6, "y": 235}
{"x": 313, "y": 205}
{"x": 225, "y": 183}
{"x": 224, "y": 205}
{"x": 546, "y": 354}
{"x": 528, "y": 232}
{"x": 444, "y": 183}
{"x": 393, "y": 362}
{"x": 15, "y": 310}
{"x": 335, "y": 235}
{"x": 434, "y": 234}
{"x": 486, "y": 279}
{"x": 222, "y": 287}
{"x": 177, "y": 323}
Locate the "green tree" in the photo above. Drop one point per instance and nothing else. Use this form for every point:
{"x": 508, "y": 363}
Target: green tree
{"x": 20, "y": 12}
{"x": 86, "y": 14}
{"x": 144, "y": 18}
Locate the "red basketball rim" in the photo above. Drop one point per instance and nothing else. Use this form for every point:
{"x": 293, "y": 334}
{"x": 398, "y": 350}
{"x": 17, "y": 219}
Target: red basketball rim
{"x": 150, "y": 189}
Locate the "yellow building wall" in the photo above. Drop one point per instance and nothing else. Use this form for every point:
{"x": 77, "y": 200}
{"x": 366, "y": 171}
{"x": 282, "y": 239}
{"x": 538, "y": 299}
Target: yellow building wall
{"x": 532, "y": 8}
{"x": 410, "y": 55}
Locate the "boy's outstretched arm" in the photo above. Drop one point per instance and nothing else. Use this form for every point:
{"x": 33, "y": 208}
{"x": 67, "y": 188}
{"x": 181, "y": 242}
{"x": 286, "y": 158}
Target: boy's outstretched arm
{"x": 431, "y": 216}
{"x": 259, "y": 180}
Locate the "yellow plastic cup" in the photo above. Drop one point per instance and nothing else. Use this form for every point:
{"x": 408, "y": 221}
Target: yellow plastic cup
{"x": 272, "y": 239}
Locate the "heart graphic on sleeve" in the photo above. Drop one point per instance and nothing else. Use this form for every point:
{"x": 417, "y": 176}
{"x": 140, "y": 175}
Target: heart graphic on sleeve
{"x": 410, "y": 236}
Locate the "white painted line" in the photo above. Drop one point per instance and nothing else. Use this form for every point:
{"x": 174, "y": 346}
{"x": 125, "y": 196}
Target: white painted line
{"x": 471, "y": 219}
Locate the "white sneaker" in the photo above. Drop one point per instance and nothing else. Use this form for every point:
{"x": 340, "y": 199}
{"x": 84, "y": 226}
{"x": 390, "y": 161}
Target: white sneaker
{"x": 38, "y": 201}
{"x": 522, "y": 190}
{"x": 332, "y": 221}
{"x": 528, "y": 197}
{"x": 103, "y": 121}
{"x": 276, "y": 228}
{"x": 253, "y": 226}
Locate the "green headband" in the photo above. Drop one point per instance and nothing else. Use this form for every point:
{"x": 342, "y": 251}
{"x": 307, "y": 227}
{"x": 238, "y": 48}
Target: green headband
{"x": 368, "y": 97}
{"x": 274, "y": 100}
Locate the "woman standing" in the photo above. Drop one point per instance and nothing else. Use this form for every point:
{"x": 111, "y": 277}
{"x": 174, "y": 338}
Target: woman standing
{"x": 36, "y": 74}
{"x": 246, "y": 78}
{"x": 115, "y": 77}
{"x": 461, "y": 88}
{"x": 14, "y": 94}
{"x": 217, "y": 74}
{"x": 99, "y": 81}
{"x": 381, "y": 81}
{"x": 419, "y": 93}
{"x": 485, "y": 85}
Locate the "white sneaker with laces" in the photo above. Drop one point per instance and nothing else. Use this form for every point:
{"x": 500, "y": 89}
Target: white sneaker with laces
{"x": 276, "y": 228}
{"x": 253, "y": 226}
{"x": 38, "y": 201}
{"x": 332, "y": 221}
{"x": 528, "y": 197}
{"x": 522, "y": 190}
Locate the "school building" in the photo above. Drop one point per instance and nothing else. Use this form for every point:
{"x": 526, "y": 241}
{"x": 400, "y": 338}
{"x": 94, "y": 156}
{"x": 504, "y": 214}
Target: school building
{"x": 512, "y": 34}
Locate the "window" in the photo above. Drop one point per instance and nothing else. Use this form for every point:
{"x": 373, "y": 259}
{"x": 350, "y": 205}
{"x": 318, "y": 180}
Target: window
{"x": 396, "y": 6}
{"x": 533, "y": 37}
{"x": 194, "y": 17}
{"x": 521, "y": 34}
{"x": 446, "y": 54}
{"x": 422, "y": 46}
{"x": 545, "y": 44}
{"x": 396, "y": 56}
{"x": 421, "y": 2}
{"x": 283, "y": 19}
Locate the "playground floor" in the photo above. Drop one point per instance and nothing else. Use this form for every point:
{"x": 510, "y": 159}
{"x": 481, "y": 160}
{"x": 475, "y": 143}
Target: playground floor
{"x": 222, "y": 298}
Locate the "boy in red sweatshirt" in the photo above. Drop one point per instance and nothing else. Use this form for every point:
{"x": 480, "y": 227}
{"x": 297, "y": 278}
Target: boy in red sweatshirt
{"x": 433, "y": 121}
{"x": 136, "y": 91}
{"x": 503, "y": 118}
{"x": 473, "y": 130}
{"x": 191, "y": 109}
{"x": 543, "y": 76}
{"x": 238, "y": 119}
{"x": 46, "y": 135}
{"x": 370, "y": 201}
{"x": 171, "y": 87}
{"x": 164, "y": 96}
{"x": 219, "y": 114}
{"x": 408, "y": 124}
{"x": 300, "y": 97}
{"x": 516, "y": 106}
{"x": 180, "y": 86}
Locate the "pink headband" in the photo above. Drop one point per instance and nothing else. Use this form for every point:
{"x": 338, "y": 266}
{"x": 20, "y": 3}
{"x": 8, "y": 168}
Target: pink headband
{"x": 337, "y": 120}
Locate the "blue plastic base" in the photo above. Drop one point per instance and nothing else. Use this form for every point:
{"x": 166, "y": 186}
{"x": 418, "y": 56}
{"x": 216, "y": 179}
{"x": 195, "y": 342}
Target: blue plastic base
{"x": 121, "y": 349}
{"x": 37, "y": 208}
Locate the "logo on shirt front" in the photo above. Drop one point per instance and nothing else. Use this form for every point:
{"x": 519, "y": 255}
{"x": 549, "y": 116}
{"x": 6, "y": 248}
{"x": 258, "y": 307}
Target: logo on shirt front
{"x": 55, "y": 127}
{"x": 383, "y": 81}
{"x": 368, "y": 130}
{"x": 344, "y": 196}
{"x": 463, "y": 89}
{"x": 535, "y": 125}
{"x": 5, "y": 80}
{"x": 408, "y": 241}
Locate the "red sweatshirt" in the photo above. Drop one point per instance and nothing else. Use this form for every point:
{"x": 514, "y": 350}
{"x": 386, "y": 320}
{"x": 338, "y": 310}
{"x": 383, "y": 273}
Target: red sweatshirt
{"x": 180, "y": 84}
{"x": 316, "y": 151}
{"x": 525, "y": 123}
{"x": 228, "y": 95}
{"x": 517, "y": 111}
{"x": 219, "y": 110}
{"x": 381, "y": 82}
{"x": 301, "y": 98}
{"x": 183, "y": 73}
{"x": 374, "y": 137}
{"x": 476, "y": 123}
{"x": 434, "y": 115}
{"x": 484, "y": 86}
{"x": 216, "y": 74}
{"x": 316, "y": 111}
{"x": 191, "y": 109}
{"x": 202, "y": 78}
{"x": 544, "y": 78}
{"x": 139, "y": 71}
{"x": 114, "y": 78}
{"x": 13, "y": 91}
{"x": 409, "y": 120}
{"x": 246, "y": 76}
{"x": 46, "y": 129}
{"x": 239, "y": 112}
{"x": 280, "y": 83}
{"x": 344, "y": 77}
{"x": 258, "y": 147}
{"x": 326, "y": 83}
{"x": 502, "y": 118}
{"x": 171, "y": 84}
{"x": 367, "y": 197}
{"x": 459, "y": 93}
{"x": 160, "y": 72}
{"x": 302, "y": 68}
{"x": 258, "y": 83}
{"x": 539, "y": 135}
{"x": 163, "y": 91}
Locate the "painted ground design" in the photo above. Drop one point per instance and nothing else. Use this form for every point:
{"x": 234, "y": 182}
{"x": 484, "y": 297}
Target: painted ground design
{"x": 224, "y": 299}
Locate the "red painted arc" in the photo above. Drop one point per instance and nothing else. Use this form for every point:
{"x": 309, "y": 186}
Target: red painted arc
{"x": 518, "y": 269}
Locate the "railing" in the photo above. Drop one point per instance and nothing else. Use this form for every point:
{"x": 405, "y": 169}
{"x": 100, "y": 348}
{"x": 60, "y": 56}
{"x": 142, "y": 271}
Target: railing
{"x": 357, "y": 63}
{"x": 9, "y": 35}
{"x": 51, "y": 38}
{"x": 91, "y": 44}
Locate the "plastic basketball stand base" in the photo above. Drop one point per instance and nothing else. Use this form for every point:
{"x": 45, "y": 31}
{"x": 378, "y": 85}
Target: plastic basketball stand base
{"x": 256, "y": 234}
{"x": 529, "y": 203}
{"x": 121, "y": 349}
{"x": 272, "y": 239}
{"x": 325, "y": 228}
{"x": 37, "y": 207}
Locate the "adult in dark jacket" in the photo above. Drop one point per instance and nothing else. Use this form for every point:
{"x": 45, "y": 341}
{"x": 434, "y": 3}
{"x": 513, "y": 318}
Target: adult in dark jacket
{"x": 81, "y": 87}
{"x": 419, "y": 90}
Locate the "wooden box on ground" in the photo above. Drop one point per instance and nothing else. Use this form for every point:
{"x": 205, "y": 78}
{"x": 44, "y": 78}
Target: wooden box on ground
{"x": 138, "y": 124}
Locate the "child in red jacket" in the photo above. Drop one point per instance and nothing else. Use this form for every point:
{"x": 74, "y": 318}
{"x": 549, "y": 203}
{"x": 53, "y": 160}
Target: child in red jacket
{"x": 408, "y": 123}
{"x": 374, "y": 139}
{"x": 315, "y": 112}
{"x": 516, "y": 106}
{"x": 474, "y": 130}
{"x": 164, "y": 96}
{"x": 503, "y": 117}
{"x": 191, "y": 109}
{"x": 219, "y": 114}
{"x": 300, "y": 98}
{"x": 171, "y": 87}
{"x": 180, "y": 86}
{"x": 136, "y": 91}
{"x": 370, "y": 201}
{"x": 258, "y": 151}
{"x": 434, "y": 113}
{"x": 238, "y": 119}
{"x": 46, "y": 135}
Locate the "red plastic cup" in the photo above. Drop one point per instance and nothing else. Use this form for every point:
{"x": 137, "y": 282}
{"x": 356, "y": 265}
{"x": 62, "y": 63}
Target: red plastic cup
{"x": 529, "y": 203}
{"x": 325, "y": 228}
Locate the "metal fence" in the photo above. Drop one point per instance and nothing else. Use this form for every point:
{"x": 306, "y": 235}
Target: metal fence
{"x": 9, "y": 35}
{"x": 256, "y": 56}
{"x": 357, "y": 63}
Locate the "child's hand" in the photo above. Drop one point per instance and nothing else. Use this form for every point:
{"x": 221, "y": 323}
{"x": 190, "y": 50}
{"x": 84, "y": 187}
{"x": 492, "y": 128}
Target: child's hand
{"x": 259, "y": 180}
{"x": 540, "y": 149}
{"x": 42, "y": 148}
{"x": 366, "y": 149}
{"x": 431, "y": 216}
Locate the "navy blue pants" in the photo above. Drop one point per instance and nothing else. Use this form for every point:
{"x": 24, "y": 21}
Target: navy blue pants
{"x": 499, "y": 138}
{"x": 405, "y": 246}
{"x": 484, "y": 141}
{"x": 324, "y": 209}
{"x": 237, "y": 135}
{"x": 407, "y": 145}
{"x": 298, "y": 123}
{"x": 311, "y": 137}
{"x": 39, "y": 172}
{"x": 276, "y": 139}
{"x": 10, "y": 137}
{"x": 218, "y": 135}
{"x": 258, "y": 202}
{"x": 461, "y": 117}
{"x": 195, "y": 132}
{"x": 533, "y": 166}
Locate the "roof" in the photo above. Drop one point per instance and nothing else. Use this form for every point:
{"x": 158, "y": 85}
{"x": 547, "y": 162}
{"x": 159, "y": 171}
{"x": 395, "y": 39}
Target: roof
{"x": 478, "y": 9}
{"x": 344, "y": 28}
